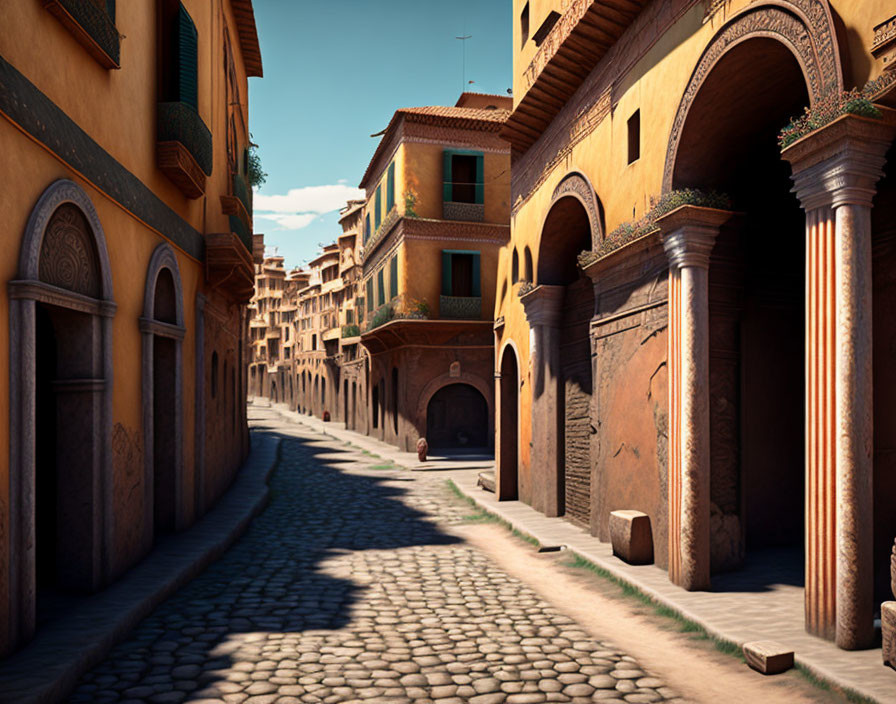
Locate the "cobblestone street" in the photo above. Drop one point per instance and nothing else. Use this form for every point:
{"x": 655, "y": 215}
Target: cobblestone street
{"x": 352, "y": 587}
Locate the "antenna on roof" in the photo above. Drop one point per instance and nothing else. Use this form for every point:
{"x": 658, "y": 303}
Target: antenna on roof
{"x": 463, "y": 40}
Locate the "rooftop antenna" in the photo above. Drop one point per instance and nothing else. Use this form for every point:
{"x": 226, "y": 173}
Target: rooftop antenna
{"x": 463, "y": 40}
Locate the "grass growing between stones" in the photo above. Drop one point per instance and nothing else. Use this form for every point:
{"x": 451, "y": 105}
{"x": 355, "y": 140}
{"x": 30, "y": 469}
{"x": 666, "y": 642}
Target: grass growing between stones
{"x": 823, "y": 684}
{"x": 480, "y": 515}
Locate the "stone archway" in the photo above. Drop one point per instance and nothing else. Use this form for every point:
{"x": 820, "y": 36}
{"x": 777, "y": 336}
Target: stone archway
{"x": 162, "y": 328}
{"x": 64, "y": 278}
{"x": 559, "y": 310}
{"x": 457, "y": 418}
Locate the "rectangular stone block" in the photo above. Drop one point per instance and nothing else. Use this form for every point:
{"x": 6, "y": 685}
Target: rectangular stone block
{"x": 888, "y": 631}
{"x": 631, "y": 537}
{"x": 768, "y": 657}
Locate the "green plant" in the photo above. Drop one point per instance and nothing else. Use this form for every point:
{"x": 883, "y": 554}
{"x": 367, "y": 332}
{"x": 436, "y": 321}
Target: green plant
{"x": 410, "y": 203}
{"x": 828, "y": 108}
{"x": 351, "y": 331}
{"x": 256, "y": 174}
{"x": 666, "y": 203}
{"x": 381, "y": 316}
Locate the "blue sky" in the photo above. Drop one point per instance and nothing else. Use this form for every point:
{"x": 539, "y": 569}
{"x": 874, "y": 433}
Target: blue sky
{"x": 334, "y": 72}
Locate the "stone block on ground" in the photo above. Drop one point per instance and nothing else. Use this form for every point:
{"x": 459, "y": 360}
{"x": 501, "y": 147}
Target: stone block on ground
{"x": 768, "y": 657}
{"x": 631, "y": 537}
{"x": 888, "y": 631}
{"x": 487, "y": 481}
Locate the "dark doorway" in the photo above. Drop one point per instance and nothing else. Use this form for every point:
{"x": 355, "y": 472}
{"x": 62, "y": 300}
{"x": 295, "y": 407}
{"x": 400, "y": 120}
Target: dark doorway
{"x": 509, "y": 448}
{"x": 395, "y": 400}
{"x": 457, "y": 419}
{"x": 46, "y": 475}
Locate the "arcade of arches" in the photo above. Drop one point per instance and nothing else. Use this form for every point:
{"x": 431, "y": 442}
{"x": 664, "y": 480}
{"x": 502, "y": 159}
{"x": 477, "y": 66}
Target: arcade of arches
{"x": 718, "y": 373}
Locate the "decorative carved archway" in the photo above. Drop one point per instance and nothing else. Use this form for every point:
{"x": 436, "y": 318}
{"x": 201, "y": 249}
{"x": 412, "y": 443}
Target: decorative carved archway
{"x": 63, "y": 267}
{"x": 805, "y": 27}
{"x": 154, "y": 330}
{"x": 579, "y": 187}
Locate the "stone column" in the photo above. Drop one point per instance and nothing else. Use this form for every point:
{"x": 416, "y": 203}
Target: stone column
{"x": 835, "y": 171}
{"x": 543, "y": 311}
{"x": 689, "y": 234}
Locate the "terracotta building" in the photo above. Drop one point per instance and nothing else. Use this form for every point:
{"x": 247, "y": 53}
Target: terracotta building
{"x": 696, "y": 310}
{"x": 436, "y": 216}
{"x": 127, "y": 227}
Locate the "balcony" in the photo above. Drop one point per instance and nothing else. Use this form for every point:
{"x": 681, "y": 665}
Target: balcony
{"x": 467, "y": 212}
{"x": 92, "y": 26}
{"x": 229, "y": 266}
{"x": 239, "y": 203}
{"x": 460, "y": 307}
{"x": 183, "y": 147}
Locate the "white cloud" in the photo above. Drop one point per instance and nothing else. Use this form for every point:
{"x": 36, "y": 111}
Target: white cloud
{"x": 299, "y": 207}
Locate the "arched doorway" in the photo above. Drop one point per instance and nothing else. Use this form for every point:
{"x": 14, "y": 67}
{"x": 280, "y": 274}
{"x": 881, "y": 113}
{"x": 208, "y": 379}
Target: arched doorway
{"x": 508, "y": 449}
{"x": 457, "y": 419}
{"x": 564, "y": 307}
{"x": 756, "y": 304}
{"x": 61, "y": 306}
{"x": 162, "y": 328}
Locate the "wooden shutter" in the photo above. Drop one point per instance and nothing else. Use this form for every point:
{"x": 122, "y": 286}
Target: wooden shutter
{"x": 480, "y": 179}
{"x": 187, "y": 60}
{"x": 367, "y": 228}
{"x": 447, "y": 183}
{"x": 381, "y": 287}
{"x": 446, "y": 273}
{"x": 370, "y": 294}
{"x": 477, "y": 271}
{"x": 377, "y": 209}
{"x": 390, "y": 188}
{"x": 393, "y": 278}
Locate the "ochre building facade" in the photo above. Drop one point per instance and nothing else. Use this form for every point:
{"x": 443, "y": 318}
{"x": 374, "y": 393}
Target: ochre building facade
{"x": 694, "y": 318}
{"x": 129, "y": 263}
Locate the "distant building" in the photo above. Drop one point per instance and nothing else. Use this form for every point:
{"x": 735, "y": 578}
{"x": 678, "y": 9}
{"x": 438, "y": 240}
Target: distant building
{"x": 436, "y": 216}
{"x": 129, "y": 261}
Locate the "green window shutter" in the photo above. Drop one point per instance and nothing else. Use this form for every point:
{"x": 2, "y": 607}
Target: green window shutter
{"x": 446, "y": 273}
{"x": 370, "y": 294}
{"x": 393, "y": 278}
{"x": 380, "y": 287}
{"x": 390, "y": 188}
{"x": 447, "y": 185}
{"x": 377, "y": 209}
{"x": 480, "y": 179}
{"x": 477, "y": 287}
{"x": 367, "y": 228}
{"x": 187, "y": 60}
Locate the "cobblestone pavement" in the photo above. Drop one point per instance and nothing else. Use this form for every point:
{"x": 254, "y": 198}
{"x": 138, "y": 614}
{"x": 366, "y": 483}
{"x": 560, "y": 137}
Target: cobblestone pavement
{"x": 350, "y": 587}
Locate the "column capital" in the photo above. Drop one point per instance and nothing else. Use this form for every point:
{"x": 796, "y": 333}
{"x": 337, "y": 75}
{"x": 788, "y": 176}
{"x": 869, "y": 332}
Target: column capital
{"x": 543, "y": 305}
{"x": 841, "y": 163}
{"x": 689, "y": 234}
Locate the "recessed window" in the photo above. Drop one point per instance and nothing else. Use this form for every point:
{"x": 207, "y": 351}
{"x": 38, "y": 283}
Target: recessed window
{"x": 463, "y": 173}
{"x": 546, "y": 27}
{"x": 634, "y": 137}
{"x": 524, "y": 25}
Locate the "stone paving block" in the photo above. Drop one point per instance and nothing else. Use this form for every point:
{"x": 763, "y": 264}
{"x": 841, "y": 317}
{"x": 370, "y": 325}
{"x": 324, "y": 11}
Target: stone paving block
{"x": 768, "y": 657}
{"x": 888, "y": 631}
{"x": 631, "y": 536}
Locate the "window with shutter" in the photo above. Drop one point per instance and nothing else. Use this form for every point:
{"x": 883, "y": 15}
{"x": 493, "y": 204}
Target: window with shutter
{"x": 381, "y": 287}
{"x": 187, "y": 59}
{"x": 464, "y": 176}
{"x": 393, "y": 278}
{"x": 377, "y": 209}
{"x": 370, "y": 294}
{"x": 390, "y": 188}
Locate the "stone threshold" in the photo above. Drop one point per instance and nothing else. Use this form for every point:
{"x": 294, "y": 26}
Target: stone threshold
{"x": 734, "y": 615}
{"x": 47, "y": 669}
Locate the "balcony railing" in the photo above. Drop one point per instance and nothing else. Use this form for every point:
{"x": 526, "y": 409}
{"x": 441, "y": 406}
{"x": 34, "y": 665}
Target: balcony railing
{"x": 179, "y": 122}
{"x": 463, "y": 201}
{"x": 241, "y": 190}
{"x": 238, "y": 227}
{"x": 460, "y": 307}
{"x": 92, "y": 25}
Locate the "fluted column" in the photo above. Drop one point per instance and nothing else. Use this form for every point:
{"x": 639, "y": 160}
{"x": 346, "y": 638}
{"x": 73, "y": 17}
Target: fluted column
{"x": 835, "y": 171}
{"x": 543, "y": 306}
{"x": 689, "y": 234}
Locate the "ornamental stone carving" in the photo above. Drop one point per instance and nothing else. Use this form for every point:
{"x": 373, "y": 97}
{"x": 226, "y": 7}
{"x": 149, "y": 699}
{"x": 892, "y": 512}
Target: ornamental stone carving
{"x": 67, "y": 257}
{"x": 805, "y": 27}
{"x": 577, "y": 185}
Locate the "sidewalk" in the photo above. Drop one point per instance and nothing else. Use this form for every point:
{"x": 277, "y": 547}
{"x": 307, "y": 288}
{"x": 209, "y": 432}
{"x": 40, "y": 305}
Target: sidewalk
{"x": 50, "y": 665}
{"x": 738, "y": 612}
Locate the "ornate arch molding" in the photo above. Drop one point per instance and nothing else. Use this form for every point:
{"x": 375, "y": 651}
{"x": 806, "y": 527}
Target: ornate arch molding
{"x": 162, "y": 258}
{"x": 806, "y": 27}
{"x": 78, "y": 278}
{"x": 577, "y": 185}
